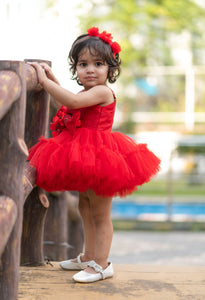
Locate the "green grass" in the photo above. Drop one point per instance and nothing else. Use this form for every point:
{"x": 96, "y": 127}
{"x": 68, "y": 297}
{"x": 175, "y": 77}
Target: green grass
{"x": 179, "y": 187}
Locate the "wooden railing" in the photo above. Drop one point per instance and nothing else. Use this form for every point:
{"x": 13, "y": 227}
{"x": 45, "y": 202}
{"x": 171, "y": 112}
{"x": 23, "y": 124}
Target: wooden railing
{"x": 24, "y": 116}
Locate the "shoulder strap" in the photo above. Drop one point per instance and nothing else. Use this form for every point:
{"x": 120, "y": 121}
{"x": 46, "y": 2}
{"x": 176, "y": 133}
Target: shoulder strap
{"x": 113, "y": 94}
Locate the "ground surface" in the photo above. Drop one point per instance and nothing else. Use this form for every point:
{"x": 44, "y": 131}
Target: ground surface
{"x": 159, "y": 248}
{"x": 148, "y": 266}
{"x": 129, "y": 282}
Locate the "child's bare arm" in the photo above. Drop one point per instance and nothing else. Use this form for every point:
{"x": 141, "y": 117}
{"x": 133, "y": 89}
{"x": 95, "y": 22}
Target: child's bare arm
{"x": 97, "y": 95}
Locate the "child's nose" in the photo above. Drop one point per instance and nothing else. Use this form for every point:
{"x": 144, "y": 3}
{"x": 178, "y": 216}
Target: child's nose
{"x": 90, "y": 68}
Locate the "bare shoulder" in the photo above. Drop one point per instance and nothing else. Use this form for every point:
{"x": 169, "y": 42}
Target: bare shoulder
{"x": 104, "y": 93}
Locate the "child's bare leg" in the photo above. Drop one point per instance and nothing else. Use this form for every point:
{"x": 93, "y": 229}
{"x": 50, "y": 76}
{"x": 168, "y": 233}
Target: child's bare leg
{"x": 88, "y": 228}
{"x": 100, "y": 210}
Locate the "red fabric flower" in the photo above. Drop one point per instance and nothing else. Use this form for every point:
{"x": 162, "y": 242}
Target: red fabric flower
{"x": 93, "y": 31}
{"x": 65, "y": 118}
{"x": 52, "y": 126}
{"x": 115, "y": 48}
{"x": 72, "y": 119}
{"x": 58, "y": 123}
{"x": 105, "y": 37}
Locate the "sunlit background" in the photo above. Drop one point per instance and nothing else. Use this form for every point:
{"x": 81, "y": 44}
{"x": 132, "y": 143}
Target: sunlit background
{"x": 161, "y": 90}
{"x": 39, "y": 30}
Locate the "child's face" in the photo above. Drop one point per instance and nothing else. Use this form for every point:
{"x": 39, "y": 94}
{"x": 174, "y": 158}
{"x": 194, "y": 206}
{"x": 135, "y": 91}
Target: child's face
{"x": 91, "y": 70}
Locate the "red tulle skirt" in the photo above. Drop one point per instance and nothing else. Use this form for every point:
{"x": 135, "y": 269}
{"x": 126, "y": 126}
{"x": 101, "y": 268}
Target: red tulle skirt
{"x": 111, "y": 164}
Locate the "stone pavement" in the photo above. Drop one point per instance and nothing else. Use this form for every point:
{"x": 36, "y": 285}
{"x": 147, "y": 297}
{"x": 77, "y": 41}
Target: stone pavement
{"x": 143, "y": 282}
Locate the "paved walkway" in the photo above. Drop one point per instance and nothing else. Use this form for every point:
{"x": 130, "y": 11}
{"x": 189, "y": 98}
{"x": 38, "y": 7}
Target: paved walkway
{"x": 178, "y": 248}
{"x": 143, "y": 282}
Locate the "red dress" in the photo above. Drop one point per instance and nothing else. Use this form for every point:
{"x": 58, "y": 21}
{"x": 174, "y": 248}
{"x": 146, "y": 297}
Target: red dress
{"x": 84, "y": 154}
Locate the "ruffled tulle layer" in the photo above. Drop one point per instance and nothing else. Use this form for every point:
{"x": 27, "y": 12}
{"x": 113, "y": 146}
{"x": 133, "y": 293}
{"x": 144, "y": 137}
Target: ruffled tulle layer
{"x": 111, "y": 164}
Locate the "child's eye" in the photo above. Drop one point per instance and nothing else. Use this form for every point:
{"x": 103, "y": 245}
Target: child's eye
{"x": 99, "y": 63}
{"x": 82, "y": 64}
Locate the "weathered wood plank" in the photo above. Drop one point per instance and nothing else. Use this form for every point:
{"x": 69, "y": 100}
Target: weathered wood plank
{"x": 130, "y": 282}
{"x": 8, "y": 214}
{"x": 10, "y": 86}
{"x": 10, "y": 90}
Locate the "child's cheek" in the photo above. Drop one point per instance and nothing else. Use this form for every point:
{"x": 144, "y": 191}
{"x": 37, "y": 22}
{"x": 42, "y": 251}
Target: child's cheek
{"x": 79, "y": 71}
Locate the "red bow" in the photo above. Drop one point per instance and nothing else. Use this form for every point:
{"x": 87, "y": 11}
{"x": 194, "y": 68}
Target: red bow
{"x": 106, "y": 37}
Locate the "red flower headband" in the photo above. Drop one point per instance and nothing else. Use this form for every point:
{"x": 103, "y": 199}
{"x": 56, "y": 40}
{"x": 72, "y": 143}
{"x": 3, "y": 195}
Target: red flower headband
{"x": 105, "y": 37}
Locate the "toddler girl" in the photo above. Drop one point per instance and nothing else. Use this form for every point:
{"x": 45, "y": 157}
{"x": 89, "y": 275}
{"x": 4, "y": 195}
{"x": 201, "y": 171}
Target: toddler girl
{"x": 84, "y": 155}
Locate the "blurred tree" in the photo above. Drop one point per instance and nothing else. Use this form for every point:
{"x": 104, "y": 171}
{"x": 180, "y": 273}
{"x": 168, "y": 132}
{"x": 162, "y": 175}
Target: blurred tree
{"x": 151, "y": 33}
{"x": 145, "y": 27}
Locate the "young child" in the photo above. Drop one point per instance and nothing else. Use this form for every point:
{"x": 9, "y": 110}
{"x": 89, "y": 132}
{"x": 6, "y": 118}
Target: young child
{"x": 84, "y": 155}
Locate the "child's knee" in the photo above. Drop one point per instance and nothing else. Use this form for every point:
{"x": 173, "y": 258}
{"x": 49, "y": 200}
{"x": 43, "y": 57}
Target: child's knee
{"x": 99, "y": 217}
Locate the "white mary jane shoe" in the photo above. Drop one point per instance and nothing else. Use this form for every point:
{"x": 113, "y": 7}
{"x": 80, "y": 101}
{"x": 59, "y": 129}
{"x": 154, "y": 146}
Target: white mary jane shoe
{"x": 70, "y": 265}
{"x": 101, "y": 274}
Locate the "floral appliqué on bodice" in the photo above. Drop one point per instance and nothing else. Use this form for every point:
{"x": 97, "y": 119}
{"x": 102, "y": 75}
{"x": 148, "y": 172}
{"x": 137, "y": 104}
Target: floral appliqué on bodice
{"x": 65, "y": 118}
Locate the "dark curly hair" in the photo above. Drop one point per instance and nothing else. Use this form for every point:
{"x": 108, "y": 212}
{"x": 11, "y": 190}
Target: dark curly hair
{"x": 96, "y": 47}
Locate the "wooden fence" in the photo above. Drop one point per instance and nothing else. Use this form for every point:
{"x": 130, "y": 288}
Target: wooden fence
{"x": 42, "y": 225}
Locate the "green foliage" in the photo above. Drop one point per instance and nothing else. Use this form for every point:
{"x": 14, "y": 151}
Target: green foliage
{"x": 148, "y": 32}
{"x": 180, "y": 187}
{"x": 143, "y": 26}
{"x": 196, "y": 149}
{"x": 50, "y": 3}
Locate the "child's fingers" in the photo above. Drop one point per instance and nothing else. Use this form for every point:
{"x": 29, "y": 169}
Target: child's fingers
{"x": 32, "y": 63}
{"x": 36, "y": 65}
{"x": 49, "y": 72}
{"x": 46, "y": 67}
{"x": 40, "y": 71}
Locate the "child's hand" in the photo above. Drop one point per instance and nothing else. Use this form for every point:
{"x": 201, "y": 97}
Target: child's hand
{"x": 49, "y": 72}
{"x": 40, "y": 72}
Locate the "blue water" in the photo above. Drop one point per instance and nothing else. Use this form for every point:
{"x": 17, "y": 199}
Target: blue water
{"x": 130, "y": 209}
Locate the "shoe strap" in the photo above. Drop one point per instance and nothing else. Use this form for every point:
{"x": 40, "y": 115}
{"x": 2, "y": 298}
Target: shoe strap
{"x": 96, "y": 267}
{"x": 78, "y": 258}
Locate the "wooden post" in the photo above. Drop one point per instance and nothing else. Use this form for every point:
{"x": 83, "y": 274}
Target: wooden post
{"x": 63, "y": 237}
{"x": 75, "y": 238}
{"x": 35, "y": 209}
{"x": 56, "y": 234}
{"x": 75, "y": 229}
{"x": 13, "y": 154}
{"x": 37, "y": 108}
